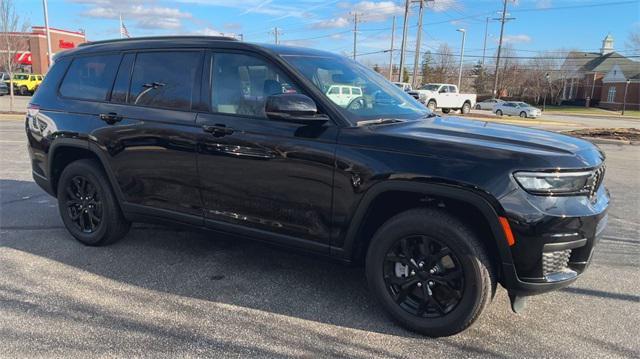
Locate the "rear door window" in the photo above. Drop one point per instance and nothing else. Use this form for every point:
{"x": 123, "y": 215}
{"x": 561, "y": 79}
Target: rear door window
{"x": 165, "y": 79}
{"x": 90, "y": 77}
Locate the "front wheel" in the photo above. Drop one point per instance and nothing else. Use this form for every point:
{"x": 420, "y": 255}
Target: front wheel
{"x": 431, "y": 105}
{"x": 23, "y": 91}
{"x": 523, "y": 114}
{"x": 430, "y": 272}
{"x": 88, "y": 206}
{"x": 499, "y": 113}
{"x": 478, "y": 107}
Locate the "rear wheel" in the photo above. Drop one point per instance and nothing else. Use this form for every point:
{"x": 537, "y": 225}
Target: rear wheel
{"x": 523, "y": 114}
{"x": 499, "y": 112}
{"x": 23, "y": 90}
{"x": 466, "y": 108}
{"x": 430, "y": 272}
{"x": 478, "y": 107}
{"x": 88, "y": 206}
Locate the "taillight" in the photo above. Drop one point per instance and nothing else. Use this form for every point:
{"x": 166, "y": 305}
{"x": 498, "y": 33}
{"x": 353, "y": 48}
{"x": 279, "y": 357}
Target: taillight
{"x": 32, "y": 110}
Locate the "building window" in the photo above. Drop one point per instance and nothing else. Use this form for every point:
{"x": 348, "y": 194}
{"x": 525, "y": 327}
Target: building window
{"x": 611, "y": 96}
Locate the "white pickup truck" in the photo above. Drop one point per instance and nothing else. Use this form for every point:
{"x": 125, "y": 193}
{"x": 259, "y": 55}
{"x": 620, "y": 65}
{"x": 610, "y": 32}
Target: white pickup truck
{"x": 445, "y": 97}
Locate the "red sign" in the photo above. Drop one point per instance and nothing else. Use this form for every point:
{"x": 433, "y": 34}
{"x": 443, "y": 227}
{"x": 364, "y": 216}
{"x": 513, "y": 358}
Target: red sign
{"x": 66, "y": 44}
{"x": 23, "y": 58}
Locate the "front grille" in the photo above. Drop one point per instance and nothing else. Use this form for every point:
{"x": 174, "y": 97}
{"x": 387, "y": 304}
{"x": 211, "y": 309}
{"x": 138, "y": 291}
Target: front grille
{"x": 553, "y": 262}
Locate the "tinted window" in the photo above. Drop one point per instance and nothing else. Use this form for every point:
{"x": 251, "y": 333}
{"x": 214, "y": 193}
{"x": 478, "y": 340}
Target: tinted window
{"x": 357, "y": 91}
{"x": 164, "y": 79}
{"x": 40, "y": 78}
{"x": 121, "y": 86}
{"x": 346, "y": 91}
{"x": 90, "y": 77}
{"x": 452, "y": 89}
{"x": 242, "y": 83}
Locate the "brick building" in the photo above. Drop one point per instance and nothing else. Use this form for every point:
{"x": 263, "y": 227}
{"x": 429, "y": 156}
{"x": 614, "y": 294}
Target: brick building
{"x": 33, "y": 58}
{"x": 614, "y": 85}
{"x": 583, "y": 74}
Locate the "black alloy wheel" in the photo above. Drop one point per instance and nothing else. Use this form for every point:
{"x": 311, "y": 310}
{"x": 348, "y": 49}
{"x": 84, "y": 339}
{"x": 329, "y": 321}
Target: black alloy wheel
{"x": 84, "y": 206}
{"x": 430, "y": 271}
{"x": 88, "y": 206}
{"x": 423, "y": 276}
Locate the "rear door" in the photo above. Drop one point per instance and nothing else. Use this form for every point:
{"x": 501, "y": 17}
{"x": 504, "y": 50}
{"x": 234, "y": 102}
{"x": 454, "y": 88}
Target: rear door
{"x": 270, "y": 178}
{"x": 149, "y": 132}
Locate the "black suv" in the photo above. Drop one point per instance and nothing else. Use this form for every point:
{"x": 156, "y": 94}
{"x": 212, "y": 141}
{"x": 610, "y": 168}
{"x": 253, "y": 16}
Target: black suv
{"x": 255, "y": 140}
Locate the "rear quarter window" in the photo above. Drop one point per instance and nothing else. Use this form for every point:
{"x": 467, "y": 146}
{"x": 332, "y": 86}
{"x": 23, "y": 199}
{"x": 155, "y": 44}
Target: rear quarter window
{"x": 90, "y": 77}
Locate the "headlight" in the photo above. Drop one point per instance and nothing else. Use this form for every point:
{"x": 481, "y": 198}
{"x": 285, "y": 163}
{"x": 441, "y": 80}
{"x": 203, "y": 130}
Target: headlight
{"x": 560, "y": 183}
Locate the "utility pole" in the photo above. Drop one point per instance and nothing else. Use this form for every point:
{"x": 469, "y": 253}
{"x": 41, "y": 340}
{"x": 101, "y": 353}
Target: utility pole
{"x": 404, "y": 39}
{"x": 276, "y": 33}
{"x": 355, "y": 33}
{"x": 486, "y": 33}
{"x": 464, "y": 36}
{"x": 502, "y": 19}
{"x": 46, "y": 26}
{"x": 416, "y": 58}
{"x": 624, "y": 100}
{"x": 393, "y": 35}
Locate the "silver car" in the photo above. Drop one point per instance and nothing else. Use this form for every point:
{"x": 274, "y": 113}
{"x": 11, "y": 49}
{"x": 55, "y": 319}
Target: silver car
{"x": 487, "y": 104}
{"x": 515, "y": 108}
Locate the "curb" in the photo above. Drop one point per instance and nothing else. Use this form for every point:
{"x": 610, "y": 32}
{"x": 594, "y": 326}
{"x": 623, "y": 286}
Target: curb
{"x": 609, "y": 141}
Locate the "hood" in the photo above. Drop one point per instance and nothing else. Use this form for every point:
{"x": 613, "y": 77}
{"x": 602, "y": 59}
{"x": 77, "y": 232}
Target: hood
{"x": 456, "y": 133}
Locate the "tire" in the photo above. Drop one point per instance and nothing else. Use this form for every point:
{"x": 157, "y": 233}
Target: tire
{"x": 446, "y": 110}
{"x": 499, "y": 113}
{"x": 431, "y": 105}
{"x": 523, "y": 114}
{"x": 466, "y": 253}
{"x": 94, "y": 197}
{"x": 23, "y": 91}
{"x": 478, "y": 107}
{"x": 466, "y": 108}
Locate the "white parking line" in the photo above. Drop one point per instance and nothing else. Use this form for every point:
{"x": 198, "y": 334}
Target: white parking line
{"x": 10, "y": 141}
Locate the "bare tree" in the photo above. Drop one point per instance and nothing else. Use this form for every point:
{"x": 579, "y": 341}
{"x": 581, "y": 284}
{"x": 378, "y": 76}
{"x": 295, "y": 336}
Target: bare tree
{"x": 443, "y": 68}
{"x": 11, "y": 41}
{"x": 634, "y": 40}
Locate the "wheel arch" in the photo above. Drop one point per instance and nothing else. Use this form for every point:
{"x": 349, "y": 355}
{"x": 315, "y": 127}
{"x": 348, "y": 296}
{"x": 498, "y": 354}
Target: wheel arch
{"x": 454, "y": 199}
{"x": 66, "y": 150}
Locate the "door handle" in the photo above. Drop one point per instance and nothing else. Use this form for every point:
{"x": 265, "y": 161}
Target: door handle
{"x": 110, "y": 117}
{"x": 218, "y": 130}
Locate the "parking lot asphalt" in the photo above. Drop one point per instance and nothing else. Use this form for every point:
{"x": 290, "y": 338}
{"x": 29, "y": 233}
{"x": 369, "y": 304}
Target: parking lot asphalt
{"x": 167, "y": 292}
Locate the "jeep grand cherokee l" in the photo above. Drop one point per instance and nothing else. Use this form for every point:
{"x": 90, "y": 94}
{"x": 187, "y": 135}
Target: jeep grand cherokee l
{"x": 242, "y": 139}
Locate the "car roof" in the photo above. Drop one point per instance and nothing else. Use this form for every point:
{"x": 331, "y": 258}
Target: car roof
{"x": 141, "y": 43}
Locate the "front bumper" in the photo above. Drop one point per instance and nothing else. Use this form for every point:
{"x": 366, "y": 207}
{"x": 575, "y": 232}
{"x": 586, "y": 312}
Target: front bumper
{"x": 555, "y": 238}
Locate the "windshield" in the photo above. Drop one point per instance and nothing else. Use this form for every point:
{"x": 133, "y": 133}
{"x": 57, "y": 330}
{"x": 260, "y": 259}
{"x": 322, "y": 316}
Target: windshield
{"x": 360, "y": 93}
{"x": 20, "y": 77}
{"x": 430, "y": 87}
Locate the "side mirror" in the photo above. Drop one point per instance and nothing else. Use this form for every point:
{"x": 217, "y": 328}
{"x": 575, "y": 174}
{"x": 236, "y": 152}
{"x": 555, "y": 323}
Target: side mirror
{"x": 296, "y": 108}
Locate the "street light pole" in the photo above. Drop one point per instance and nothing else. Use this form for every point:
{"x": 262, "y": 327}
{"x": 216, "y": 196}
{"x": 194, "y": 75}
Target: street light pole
{"x": 46, "y": 26}
{"x": 464, "y": 35}
{"x": 624, "y": 100}
{"x": 403, "y": 46}
{"x": 486, "y": 32}
{"x": 544, "y": 99}
{"x": 393, "y": 35}
{"x": 416, "y": 59}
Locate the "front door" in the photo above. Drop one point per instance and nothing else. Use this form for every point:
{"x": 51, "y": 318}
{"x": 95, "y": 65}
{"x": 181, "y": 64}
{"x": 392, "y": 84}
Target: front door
{"x": 271, "y": 178}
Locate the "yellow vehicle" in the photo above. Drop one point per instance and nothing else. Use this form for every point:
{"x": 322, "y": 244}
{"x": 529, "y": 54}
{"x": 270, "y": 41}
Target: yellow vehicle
{"x": 25, "y": 84}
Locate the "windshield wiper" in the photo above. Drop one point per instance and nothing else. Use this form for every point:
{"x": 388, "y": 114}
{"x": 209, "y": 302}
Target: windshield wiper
{"x": 378, "y": 121}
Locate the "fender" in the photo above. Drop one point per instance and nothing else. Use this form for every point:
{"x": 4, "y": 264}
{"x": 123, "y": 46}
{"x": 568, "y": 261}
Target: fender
{"x": 488, "y": 206}
{"x": 88, "y": 146}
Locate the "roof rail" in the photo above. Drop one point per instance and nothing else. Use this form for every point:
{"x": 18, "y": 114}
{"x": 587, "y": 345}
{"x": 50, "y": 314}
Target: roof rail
{"x": 176, "y": 37}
